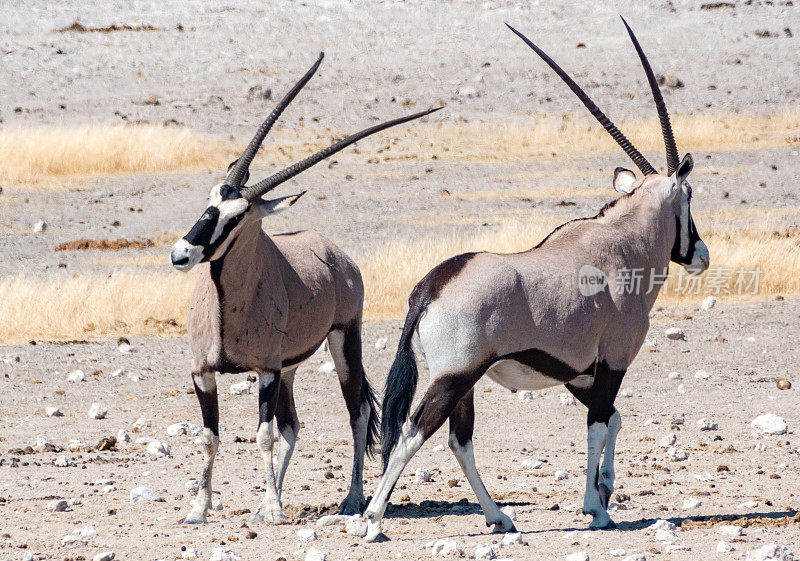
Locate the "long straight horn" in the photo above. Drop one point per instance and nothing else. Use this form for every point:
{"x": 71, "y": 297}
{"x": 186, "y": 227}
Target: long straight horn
{"x": 243, "y": 163}
{"x": 663, "y": 116}
{"x": 276, "y": 179}
{"x": 640, "y": 161}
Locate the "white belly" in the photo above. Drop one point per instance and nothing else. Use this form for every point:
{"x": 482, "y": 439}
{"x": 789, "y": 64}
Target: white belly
{"x": 517, "y": 376}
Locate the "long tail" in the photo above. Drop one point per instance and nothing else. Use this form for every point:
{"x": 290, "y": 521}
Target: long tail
{"x": 368, "y": 395}
{"x": 400, "y": 387}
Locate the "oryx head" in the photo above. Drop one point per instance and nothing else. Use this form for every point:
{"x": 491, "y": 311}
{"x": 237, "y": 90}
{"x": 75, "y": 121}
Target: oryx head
{"x": 231, "y": 204}
{"x": 673, "y": 189}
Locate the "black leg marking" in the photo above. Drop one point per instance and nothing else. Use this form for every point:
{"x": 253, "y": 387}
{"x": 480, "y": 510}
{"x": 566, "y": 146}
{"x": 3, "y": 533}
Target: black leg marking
{"x": 462, "y": 419}
{"x": 441, "y": 399}
{"x": 600, "y": 396}
{"x": 268, "y": 397}
{"x": 209, "y": 407}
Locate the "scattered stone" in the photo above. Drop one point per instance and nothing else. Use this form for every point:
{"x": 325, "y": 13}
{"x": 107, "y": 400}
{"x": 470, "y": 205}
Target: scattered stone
{"x": 445, "y": 547}
{"x": 485, "y": 552}
{"x": 41, "y": 444}
{"x": 178, "y": 429}
{"x": 356, "y": 526}
{"x": 190, "y": 553}
{"x": 514, "y": 538}
{"x": 40, "y": 226}
{"x": 730, "y": 530}
{"x": 707, "y": 424}
{"x": 511, "y": 512}
{"x": 224, "y": 554}
{"x": 53, "y": 412}
{"x": 531, "y": 463}
{"x": 123, "y": 436}
{"x": 58, "y": 505}
{"x": 691, "y": 503}
{"x": 98, "y": 411}
{"x": 771, "y": 552}
{"x": 567, "y": 398}
{"x": 669, "y": 81}
{"x": 105, "y": 490}
{"x": 76, "y": 376}
{"x": 784, "y": 384}
{"x": 636, "y": 557}
{"x": 525, "y": 396}
{"x": 141, "y": 494}
{"x": 578, "y": 556}
{"x": 74, "y": 501}
{"x": 723, "y": 546}
{"x": 438, "y": 448}
{"x": 216, "y": 503}
{"x": 422, "y": 475}
{"x": 307, "y": 534}
{"x": 668, "y": 440}
{"x": 157, "y": 448}
{"x": 626, "y": 392}
{"x": 316, "y": 555}
{"x": 104, "y": 556}
{"x": 240, "y": 388}
{"x": 141, "y": 423}
{"x": 192, "y": 486}
{"x": 327, "y": 367}
{"x": 708, "y": 303}
{"x": 617, "y": 552}
{"x": 62, "y": 462}
{"x": 661, "y": 524}
{"x": 749, "y": 504}
{"x": 561, "y": 475}
{"x": 332, "y": 520}
{"x": 667, "y": 536}
{"x": 770, "y": 424}
{"x": 675, "y": 334}
{"x": 677, "y": 455}
{"x": 701, "y": 375}
{"x": 380, "y": 343}
{"x": 674, "y": 376}
{"x": 79, "y": 536}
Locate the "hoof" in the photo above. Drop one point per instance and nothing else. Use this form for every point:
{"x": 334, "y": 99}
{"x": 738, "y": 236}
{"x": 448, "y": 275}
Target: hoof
{"x": 267, "y": 518}
{"x": 603, "y": 523}
{"x": 195, "y": 518}
{"x": 605, "y": 494}
{"x": 374, "y": 533}
{"x": 502, "y": 526}
{"x": 350, "y": 507}
{"x": 380, "y": 537}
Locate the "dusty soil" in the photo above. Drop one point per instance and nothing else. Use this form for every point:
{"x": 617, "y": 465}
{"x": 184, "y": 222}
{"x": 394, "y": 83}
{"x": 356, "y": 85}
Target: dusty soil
{"x": 380, "y": 55}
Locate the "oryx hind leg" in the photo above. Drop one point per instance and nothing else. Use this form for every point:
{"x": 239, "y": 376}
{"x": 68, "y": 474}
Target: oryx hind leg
{"x": 288, "y": 426}
{"x": 604, "y": 423}
{"x": 462, "y": 423}
{"x": 205, "y": 387}
{"x": 345, "y": 347}
{"x": 270, "y": 509}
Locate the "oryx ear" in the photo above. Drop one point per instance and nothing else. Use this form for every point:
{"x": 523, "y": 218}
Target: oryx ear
{"x": 246, "y": 172}
{"x": 272, "y": 206}
{"x": 684, "y": 169}
{"x": 624, "y": 180}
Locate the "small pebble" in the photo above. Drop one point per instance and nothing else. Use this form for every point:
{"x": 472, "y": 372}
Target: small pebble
{"x": 141, "y": 494}
{"x": 561, "y": 475}
{"x": 356, "y": 526}
{"x": 708, "y": 303}
{"x": 485, "y": 552}
{"x": 626, "y": 392}
{"x": 307, "y": 534}
{"x": 53, "y": 412}
{"x": 157, "y": 448}
{"x": 314, "y": 554}
{"x": 723, "y": 546}
{"x": 784, "y": 384}
{"x": 380, "y": 343}
{"x": 701, "y": 375}
{"x": 98, "y": 411}
{"x": 240, "y": 388}
{"x": 706, "y": 424}
{"x": 422, "y": 475}
{"x": 577, "y": 556}
{"x": 104, "y": 556}
{"x": 691, "y": 503}
{"x": 76, "y": 376}
{"x": 58, "y": 505}
{"x": 770, "y": 424}
{"x": 40, "y": 226}
{"x": 675, "y": 334}
{"x": 525, "y": 396}
{"x": 674, "y": 376}
{"x": 63, "y": 461}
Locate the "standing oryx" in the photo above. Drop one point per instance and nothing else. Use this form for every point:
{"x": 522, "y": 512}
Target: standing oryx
{"x": 266, "y": 304}
{"x": 525, "y": 320}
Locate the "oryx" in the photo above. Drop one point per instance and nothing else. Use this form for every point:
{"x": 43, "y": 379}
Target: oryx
{"x": 265, "y": 304}
{"x": 528, "y": 322}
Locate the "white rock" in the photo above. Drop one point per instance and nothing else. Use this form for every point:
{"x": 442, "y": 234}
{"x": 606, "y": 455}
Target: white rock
{"x": 105, "y": 490}
{"x": 531, "y": 463}
{"x": 707, "y": 424}
{"x": 41, "y": 444}
{"x": 675, "y": 334}
{"x": 691, "y": 502}
{"x": 514, "y": 538}
{"x": 85, "y": 532}
{"x": 314, "y": 554}
{"x": 123, "y": 437}
{"x": 216, "y": 504}
{"x": 356, "y": 526}
{"x": 58, "y": 505}
{"x": 223, "y": 554}
{"x": 674, "y": 376}
{"x": 666, "y": 536}
{"x": 636, "y": 557}
{"x": 157, "y": 448}
{"x": 749, "y": 504}
{"x": 485, "y": 552}
{"x": 511, "y": 512}
{"x": 76, "y": 376}
{"x": 525, "y": 396}
{"x": 681, "y": 388}
{"x": 730, "y": 530}
{"x": 661, "y": 524}
{"x": 53, "y": 412}
{"x": 770, "y": 424}
{"x": 332, "y": 520}
{"x": 577, "y": 556}
{"x": 28, "y": 555}
{"x": 192, "y": 486}
{"x": 104, "y": 556}
{"x": 380, "y": 343}
{"x": 567, "y": 398}
{"x": 668, "y": 440}
{"x": 141, "y": 423}
{"x": 669, "y": 548}
{"x": 708, "y": 303}
{"x": 307, "y": 534}
{"x": 771, "y": 552}
{"x": 178, "y": 429}
{"x": 677, "y": 455}
{"x": 626, "y": 392}
{"x": 438, "y": 448}
{"x": 103, "y": 481}
{"x": 561, "y": 475}
{"x": 723, "y": 546}
{"x": 62, "y": 462}
{"x": 98, "y": 411}
{"x": 617, "y": 552}
{"x": 240, "y": 388}
{"x": 124, "y": 348}
{"x": 140, "y": 494}
{"x": 701, "y": 375}
{"x": 117, "y": 373}
{"x": 422, "y": 475}
{"x": 445, "y": 547}
{"x": 190, "y": 553}
{"x": 327, "y": 367}
{"x": 40, "y": 226}
{"x": 575, "y": 507}
{"x": 74, "y": 501}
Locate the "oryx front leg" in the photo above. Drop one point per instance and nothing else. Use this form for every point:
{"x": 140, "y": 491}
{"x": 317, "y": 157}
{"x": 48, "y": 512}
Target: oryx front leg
{"x": 288, "y": 426}
{"x": 462, "y": 423}
{"x": 205, "y": 386}
{"x": 270, "y": 510}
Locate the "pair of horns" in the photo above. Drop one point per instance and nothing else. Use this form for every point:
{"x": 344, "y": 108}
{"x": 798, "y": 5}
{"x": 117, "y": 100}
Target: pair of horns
{"x": 666, "y": 128}
{"x": 239, "y": 169}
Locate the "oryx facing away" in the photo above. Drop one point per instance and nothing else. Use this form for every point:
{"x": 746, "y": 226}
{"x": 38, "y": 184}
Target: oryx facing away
{"x": 265, "y": 304}
{"x": 526, "y": 321}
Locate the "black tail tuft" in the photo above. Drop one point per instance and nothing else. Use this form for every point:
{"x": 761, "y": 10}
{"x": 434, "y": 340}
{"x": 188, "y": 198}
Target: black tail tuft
{"x": 400, "y": 387}
{"x": 368, "y": 395}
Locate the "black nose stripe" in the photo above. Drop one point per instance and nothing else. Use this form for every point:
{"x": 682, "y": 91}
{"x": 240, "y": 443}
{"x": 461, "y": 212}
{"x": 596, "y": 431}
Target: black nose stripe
{"x": 203, "y": 229}
{"x": 227, "y": 193}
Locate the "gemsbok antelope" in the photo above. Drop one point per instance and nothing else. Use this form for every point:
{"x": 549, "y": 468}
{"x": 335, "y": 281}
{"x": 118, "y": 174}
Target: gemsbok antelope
{"x": 266, "y": 304}
{"x": 526, "y": 320}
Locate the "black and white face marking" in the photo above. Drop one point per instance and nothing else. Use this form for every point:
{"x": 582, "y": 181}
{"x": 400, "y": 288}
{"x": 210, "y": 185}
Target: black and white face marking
{"x": 688, "y": 250}
{"x": 211, "y": 235}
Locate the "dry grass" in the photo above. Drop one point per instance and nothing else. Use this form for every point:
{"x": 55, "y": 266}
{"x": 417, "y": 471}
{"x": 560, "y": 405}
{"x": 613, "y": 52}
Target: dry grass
{"x": 46, "y": 156}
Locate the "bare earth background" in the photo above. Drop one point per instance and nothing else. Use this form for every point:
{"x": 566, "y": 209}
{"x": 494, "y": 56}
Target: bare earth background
{"x": 195, "y": 69}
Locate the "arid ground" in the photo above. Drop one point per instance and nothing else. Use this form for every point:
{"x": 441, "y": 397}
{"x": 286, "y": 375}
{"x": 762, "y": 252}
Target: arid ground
{"x": 115, "y": 121}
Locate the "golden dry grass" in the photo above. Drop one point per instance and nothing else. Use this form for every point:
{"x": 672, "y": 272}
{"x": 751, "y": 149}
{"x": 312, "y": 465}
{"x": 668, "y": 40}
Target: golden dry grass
{"x": 156, "y": 302}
